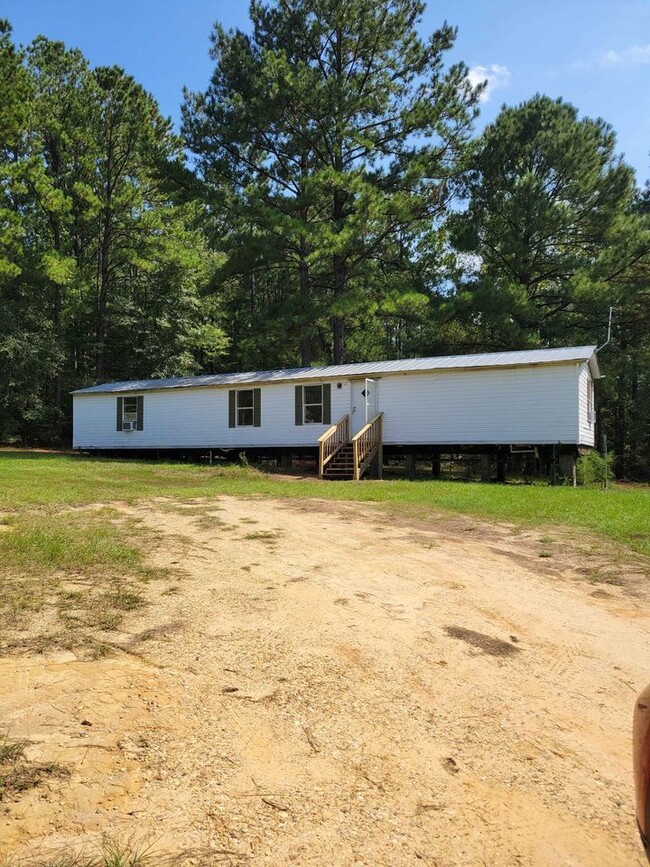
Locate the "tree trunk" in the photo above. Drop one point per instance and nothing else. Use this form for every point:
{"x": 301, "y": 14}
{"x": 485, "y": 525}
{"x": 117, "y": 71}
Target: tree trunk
{"x": 305, "y": 304}
{"x": 338, "y": 322}
{"x": 340, "y": 285}
{"x": 338, "y": 204}
{"x": 56, "y": 320}
{"x": 55, "y": 164}
{"x": 102, "y": 297}
{"x": 620, "y": 414}
{"x": 104, "y": 261}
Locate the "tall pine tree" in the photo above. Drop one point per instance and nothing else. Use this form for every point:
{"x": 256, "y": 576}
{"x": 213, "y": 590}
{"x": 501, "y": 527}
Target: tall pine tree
{"x": 332, "y": 131}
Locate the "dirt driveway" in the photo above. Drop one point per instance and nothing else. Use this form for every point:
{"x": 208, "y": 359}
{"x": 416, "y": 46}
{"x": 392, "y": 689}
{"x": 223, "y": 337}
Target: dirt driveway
{"x": 325, "y": 684}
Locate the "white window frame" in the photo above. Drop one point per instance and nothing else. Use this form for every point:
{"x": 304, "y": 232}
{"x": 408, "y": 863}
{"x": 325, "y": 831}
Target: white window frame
{"x": 317, "y": 403}
{"x": 128, "y": 415}
{"x": 250, "y": 423}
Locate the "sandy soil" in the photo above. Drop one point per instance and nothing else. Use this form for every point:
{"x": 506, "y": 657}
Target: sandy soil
{"x": 324, "y": 684}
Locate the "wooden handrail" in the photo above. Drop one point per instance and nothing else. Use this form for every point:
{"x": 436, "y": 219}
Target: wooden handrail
{"x": 331, "y": 441}
{"x": 366, "y": 444}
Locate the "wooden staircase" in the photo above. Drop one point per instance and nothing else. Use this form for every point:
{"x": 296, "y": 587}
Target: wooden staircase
{"x": 341, "y": 466}
{"x": 345, "y": 459}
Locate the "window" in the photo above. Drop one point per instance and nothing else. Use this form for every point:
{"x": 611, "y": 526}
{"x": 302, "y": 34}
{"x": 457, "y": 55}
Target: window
{"x": 245, "y": 408}
{"x": 130, "y": 412}
{"x": 591, "y": 415}
{"x": 313, "y": 404}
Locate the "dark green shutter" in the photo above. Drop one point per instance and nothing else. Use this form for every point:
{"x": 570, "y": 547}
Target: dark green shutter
{"x": 139, "y": 425}
{"x": 327, "y": 404}
{"x": 120, "y": 405}
{"x": 232, "y": 409}
{"x": 257, "y": 407}
{"x": 299, "y": 404}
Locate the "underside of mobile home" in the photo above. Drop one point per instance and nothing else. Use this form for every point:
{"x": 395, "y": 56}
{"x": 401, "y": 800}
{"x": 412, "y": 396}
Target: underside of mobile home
{"x": 349, "y": 415}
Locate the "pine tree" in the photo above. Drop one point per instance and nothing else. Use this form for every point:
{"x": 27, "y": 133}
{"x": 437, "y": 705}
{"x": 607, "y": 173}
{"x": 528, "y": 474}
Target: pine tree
{"x": 556, "y": 238}
{"x": 333, "y": 130}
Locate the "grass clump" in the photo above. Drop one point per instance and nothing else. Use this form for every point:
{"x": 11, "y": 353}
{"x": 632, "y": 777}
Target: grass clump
{"x": 262, "y": 536}
{"x": 70, "y": 573}
{"x": 17, "y": 774}
{"x": 11, "y": 750}
{"x": 107, "y": 852}
{"x": 21, "y": 777}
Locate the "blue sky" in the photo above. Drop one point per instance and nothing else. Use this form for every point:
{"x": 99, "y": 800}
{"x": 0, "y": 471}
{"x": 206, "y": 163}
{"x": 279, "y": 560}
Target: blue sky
{"x": 593, "y": 53}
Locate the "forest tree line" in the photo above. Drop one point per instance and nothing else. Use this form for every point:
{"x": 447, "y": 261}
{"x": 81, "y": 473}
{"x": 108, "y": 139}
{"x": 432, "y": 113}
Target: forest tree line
{"x": 327, "y": 199}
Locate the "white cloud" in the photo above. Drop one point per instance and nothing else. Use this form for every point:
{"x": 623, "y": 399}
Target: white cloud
{"x": 633, "y": 55}
{"x": 497, "y": 77}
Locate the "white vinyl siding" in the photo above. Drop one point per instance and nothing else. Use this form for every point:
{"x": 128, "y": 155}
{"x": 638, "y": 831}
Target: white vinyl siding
{"x": 586, "y": 428}
{"x": 517, "y": 405}
{"x": 540, "y": 404}
{"x": 198, "y": 418}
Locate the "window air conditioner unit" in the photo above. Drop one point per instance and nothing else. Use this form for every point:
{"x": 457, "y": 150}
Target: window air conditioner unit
{"x": 591, "y": 417}
{"x": 128, "y": 425}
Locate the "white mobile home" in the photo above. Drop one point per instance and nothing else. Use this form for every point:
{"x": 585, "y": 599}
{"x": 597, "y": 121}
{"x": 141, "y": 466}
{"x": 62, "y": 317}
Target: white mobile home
{"x": 350, "y": 412}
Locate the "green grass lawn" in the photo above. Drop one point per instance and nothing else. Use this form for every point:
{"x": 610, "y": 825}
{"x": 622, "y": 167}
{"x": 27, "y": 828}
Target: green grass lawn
{"x": 29, "y": 479}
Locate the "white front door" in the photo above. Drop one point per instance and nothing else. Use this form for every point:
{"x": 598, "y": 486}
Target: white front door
{"x": 365, "y": 403}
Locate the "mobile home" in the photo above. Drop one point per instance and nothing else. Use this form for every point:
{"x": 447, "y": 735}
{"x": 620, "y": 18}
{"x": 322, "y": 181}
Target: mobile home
{"x": 347, "y": 414}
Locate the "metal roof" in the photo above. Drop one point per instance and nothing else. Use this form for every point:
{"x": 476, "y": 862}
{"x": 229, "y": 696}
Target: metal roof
{"x": 562, "y": 355}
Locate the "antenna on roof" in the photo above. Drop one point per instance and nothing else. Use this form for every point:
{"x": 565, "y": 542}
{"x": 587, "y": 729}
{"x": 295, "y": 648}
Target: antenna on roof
{"x": 609, "y": 331}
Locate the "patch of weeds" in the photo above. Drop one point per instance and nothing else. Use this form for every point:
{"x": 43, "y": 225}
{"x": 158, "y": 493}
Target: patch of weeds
{"x": 124, "y": 599}
{"x": 603, "y": 577}
{"x": 17, "y": 774}
{"x": 544, "y": 554}
{"x": 11, "y": 750}
{"x": 189, "y": 508}
{"x": 263, "y": 535}
{"x": 105, "y": 620}
{"x": 20, "y": 597}
{"x": 78, "y": 569}
{"x": 99, "y": 649}
{"x": 22, "y": 777}
{"x": 546, "y": 540}
{"x": 210, "y": 522}
{"x": 153, "y": 573}
{"x": 70, "y": 595}
{"x": 248, "y": 521}
{"x": 107, "y": 852}
{"x": 82, "y": 643}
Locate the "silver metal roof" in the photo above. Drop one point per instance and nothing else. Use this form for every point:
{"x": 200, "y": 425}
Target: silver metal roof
{"x": 371, "y": 368}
